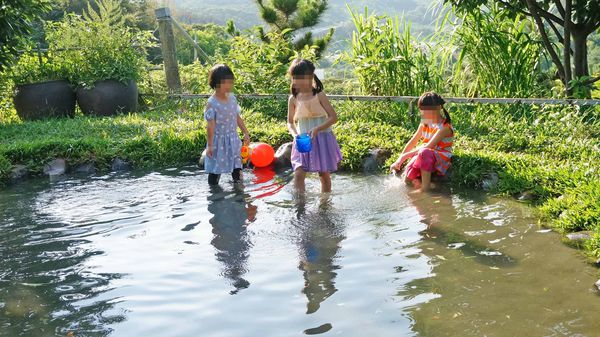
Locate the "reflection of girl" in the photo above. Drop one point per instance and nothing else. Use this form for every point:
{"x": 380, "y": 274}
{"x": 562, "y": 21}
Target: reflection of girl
{"x": 319, "y": 244}
{"x": 435, "y": 214}
{"x": 231, "y": 216}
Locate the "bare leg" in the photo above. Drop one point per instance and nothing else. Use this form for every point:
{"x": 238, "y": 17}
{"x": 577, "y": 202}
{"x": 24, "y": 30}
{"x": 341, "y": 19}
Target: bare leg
{"x": 325, "y": 182}
{"x": 425, "y": 180}
{"x": 299, "y": 177}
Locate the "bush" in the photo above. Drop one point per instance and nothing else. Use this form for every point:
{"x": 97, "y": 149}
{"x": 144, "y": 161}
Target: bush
{"x": 7, "y": 109}
{"x": 29, "y": 69}
{"x": 100, "y": 45}
{"x": 261, "y": 67}
{"x": 211, "y": 38}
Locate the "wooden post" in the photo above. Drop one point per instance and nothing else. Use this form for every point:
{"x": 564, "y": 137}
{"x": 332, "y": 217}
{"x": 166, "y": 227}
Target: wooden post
{"x": 167, "y": 41}
{"x": 195, "y": 50}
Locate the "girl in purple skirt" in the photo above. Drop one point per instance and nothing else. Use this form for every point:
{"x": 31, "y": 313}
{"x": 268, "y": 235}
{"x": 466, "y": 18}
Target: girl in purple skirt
{"x": 309, "y": 112}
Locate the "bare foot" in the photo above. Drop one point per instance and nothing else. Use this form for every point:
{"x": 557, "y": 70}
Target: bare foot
{"x": 416, "y": 183}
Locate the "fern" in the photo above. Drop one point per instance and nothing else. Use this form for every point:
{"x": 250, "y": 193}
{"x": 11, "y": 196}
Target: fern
{"x": 109, "y": 13}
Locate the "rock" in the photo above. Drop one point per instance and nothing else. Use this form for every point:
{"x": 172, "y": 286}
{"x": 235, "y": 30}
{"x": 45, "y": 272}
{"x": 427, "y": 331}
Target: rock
{"x": 375, "y": 159}
{"x": 283, "y": 156}
{"x": 579, "y": 237}
{"x": 597, "y": 263}
{"x": 18, "y": 172}
{"x": 598, "y": 285}
{"x": 442, "y": 179}
{"x": 526, "y": 196}
{"x": 490, "y": 181}
{"x": 87, "y": 168}
{"x": 56, "y": 167}
{"x": 120, "y": 165}
{"x": 201, "y": 160}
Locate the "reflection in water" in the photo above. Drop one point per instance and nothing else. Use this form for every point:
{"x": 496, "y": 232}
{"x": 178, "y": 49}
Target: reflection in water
{"x": 76, "y": 256}
{"x": 320, "y": 237}
{"x": 231, "y": 214}
{"x": 436, "y": 210}
{"x": 42, "y": 270}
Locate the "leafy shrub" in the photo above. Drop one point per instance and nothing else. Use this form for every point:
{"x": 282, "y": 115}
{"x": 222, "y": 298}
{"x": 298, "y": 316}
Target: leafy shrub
{"x": 100, "y": 45}
{"x": 29, "y": 69}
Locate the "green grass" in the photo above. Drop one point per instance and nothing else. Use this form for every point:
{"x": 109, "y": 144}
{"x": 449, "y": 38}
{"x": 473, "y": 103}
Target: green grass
{"x": 552, "y": 153}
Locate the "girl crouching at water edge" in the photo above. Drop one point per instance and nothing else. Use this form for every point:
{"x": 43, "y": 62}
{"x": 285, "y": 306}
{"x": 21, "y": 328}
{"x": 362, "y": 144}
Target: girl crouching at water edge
{"x": 436, "y": 135}
{"x": 310, "y": 112}
{"x": 222, "y": 113}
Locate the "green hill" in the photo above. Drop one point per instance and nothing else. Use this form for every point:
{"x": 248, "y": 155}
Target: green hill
{"x": 245, "y": 14}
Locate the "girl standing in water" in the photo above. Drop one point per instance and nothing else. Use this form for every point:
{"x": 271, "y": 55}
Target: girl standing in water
{"x": 222, "y": 113}
{"x": 310, "y": 112}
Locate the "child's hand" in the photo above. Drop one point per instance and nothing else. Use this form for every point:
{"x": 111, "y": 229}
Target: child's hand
{"x": 313, "y": 133}
{"x": 397, "y": 165}
{"x": 209, "y": 151}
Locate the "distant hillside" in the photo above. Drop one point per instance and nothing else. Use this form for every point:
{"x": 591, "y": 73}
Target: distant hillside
{"x": 245, "y": 14}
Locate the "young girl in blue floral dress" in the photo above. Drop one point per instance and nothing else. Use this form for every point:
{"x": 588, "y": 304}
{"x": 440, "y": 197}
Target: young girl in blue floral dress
{"x": 222, "y": 113}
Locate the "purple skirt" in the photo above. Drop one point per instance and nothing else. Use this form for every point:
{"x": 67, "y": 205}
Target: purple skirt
{"x": 324, "y": 156}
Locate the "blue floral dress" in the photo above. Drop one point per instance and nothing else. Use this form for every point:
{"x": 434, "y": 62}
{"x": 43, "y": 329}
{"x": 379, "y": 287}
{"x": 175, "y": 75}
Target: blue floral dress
{"x": 226, "y": 142}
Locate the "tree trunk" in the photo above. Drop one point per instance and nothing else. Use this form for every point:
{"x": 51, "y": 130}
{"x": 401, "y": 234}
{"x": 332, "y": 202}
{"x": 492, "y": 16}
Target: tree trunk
{"x": 580, "y": 58}
{"x": 580, "y": 55}
{"x": 567, "y": 48}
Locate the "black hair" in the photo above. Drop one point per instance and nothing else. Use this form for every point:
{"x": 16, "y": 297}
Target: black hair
{"x": 218, "y": 74}
{"x": 302, "y": 67}
{"x": 433, "y": 99}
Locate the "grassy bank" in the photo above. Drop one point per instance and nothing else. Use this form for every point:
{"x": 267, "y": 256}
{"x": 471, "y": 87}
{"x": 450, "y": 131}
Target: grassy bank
{"x": 552, "y": 154}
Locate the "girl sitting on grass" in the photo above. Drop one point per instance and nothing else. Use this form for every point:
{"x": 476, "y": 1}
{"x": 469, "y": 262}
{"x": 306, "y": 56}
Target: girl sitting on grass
{"x": 222, "y": 113}
{"x": 435, "y": 133}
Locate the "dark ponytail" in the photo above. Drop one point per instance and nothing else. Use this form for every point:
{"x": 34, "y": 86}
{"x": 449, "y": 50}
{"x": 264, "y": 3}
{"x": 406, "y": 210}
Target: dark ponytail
{"x": 303, "y": 67}
{"x": 446, "y": 115}
{"x": 433, "y": 99}
{"x": 318, "y": 87}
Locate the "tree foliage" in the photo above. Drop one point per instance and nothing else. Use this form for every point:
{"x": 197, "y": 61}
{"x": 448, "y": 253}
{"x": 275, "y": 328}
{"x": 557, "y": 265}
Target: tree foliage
{"x": 564, "y": 26}
{"x": 16, "y": 24}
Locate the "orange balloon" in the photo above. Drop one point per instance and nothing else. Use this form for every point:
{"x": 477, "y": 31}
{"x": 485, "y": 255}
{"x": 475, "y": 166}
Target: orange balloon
{"x": 262, "y": 155}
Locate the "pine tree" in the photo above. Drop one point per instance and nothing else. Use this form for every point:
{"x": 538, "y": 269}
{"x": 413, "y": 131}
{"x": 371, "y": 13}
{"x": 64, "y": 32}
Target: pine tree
{"x": 290, "y": 16}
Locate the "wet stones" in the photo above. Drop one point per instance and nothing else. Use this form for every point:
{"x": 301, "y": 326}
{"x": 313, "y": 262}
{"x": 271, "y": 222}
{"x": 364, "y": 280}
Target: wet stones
{"x": 201, "y": 160}
{"x": 283, "y": 156}
{"x": 375, "y": 159}
{"x": 579, "y": 237}
{"x": 87, "y": 168}
{"x": 442, "y": 179}
{"x": 120, "y": 165}
{"x": 18, "y": 172}
{"x": 526, "y": 196}
{"x": 56, "y": 167}
{"x": 490, "y": 181}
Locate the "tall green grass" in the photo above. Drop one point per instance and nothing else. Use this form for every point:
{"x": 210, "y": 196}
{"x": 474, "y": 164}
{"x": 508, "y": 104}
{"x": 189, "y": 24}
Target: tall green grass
{"x": 476, "y": 55}
{"x": 388, "y": 60}
{"x": 498, "y": 56}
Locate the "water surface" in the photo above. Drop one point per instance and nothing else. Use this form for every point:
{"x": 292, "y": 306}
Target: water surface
{"x": 161, "y": 254}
